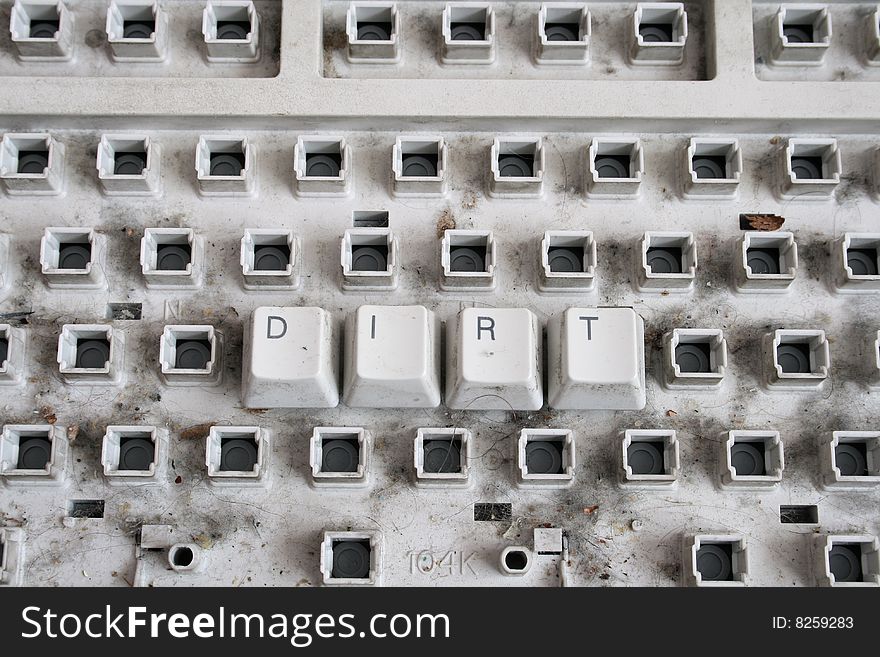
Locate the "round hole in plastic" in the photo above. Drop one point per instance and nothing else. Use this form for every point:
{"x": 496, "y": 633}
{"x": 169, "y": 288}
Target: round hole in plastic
{"x": 708, "y": 168}
{"x": 516, "y": 560}
{"x": 182, "y": 557}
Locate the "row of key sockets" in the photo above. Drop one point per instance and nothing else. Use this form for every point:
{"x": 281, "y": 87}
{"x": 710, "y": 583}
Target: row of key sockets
{"x": 665, "y": 262}
{"x": 340, "y": 459}
{"x": 226, "y": 166}
{"x": 137, "y": 31}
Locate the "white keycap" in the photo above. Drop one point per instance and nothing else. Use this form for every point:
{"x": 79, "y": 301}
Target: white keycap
{"x": 493, "y": 360}
{"x": 290, "y": 359}
{"x": 596, "y": 358}
{"x": 392, "y": 358}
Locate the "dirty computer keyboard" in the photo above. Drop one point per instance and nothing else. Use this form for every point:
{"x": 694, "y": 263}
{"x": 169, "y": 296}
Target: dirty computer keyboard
{"x": 417, "y": 293}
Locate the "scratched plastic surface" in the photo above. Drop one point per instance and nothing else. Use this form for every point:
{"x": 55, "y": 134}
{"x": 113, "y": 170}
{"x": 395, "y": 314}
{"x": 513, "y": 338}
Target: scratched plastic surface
{"x": 433, "y": 536}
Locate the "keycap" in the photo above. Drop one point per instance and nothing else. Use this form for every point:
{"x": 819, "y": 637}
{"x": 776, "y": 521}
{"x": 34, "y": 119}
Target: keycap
{"x": 290, "y": 359}
{"x": 392, "y": 358}
{"x": 596, "y": 359}
{"x": 493, "y": 360}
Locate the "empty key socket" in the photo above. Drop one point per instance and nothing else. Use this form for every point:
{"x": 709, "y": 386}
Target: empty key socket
{"x": 369, "y": 260}
{"x": 373, "y": 30}
{"x": 568, "y": 262}
{"x": 134, "y": 455}
{"x": 846, "y": 560}
{"x": 856, "y": 262}
{"x": 615, "y": 168}
{"x": 694, "y": 359}
{"x": 137, "y": 30}
{"x": 800, "y": 35}
{"x": 226, "y": 166}
{"x": 91, "y": 354}
{"x": 796, "y": 359}
{"x": 712, "y": 168}
{"x": 42, "y": 30}
{"x": 419, "y": 166}
{"x": 658, "y": 34}
{"x": 33, "y": 455}
{"x": 563, "y": 34}
{"x": 351, "y": 558}
{"x": 545, "y": 458}
{"x": 468, "y": 33}
{"x": 231, "y": 29}
{"x": 766, "y": 262}
{"x": 468, "y": 258}
{"x": 32, "y": 163}
{"x": 13, "y": 352}
{"x": 810, "y": 169}
{"x": 650, "y": 459}
{"x": 322, "y": 166}
{"x": 442, "y": 457}
{"x": 850, "y": 460}
{"x": 720, "y": 560}
{"x": 73, "y": 259}
{"x": 172, "y": 258}
{"x": 237, "y": 456}
{"x": 751, "y": 460}
{"x": 339, "y": 457}
{"x": 516, "y": 168}
{"x": 667, "y": 262}
{"x": 128, "y": 165}
{"x": 270, "y": 259}
{"x": 191, "y": 356}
